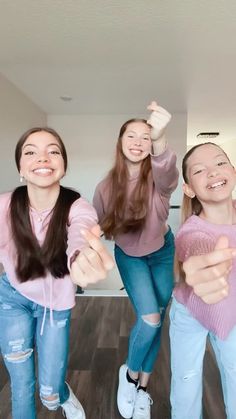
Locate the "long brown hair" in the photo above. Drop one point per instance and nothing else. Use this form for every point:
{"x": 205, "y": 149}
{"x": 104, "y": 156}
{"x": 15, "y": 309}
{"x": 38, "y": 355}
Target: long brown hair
{"x": 123, "y": 216}
{"x": 190, "y": 206}
{"x": 33, "y": 260}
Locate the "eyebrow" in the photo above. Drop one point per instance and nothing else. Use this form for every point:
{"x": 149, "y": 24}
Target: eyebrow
{"x": 134, "y": 132}
{"x": 33, "y": 145}
{"x": 218, "y": 155}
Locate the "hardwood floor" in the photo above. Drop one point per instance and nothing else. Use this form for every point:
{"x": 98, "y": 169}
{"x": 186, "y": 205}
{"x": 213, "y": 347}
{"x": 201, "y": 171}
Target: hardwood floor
{"x": 98, "y": 346}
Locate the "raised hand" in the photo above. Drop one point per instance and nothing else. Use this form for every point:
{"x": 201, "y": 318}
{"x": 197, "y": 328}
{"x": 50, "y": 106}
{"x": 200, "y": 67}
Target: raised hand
{"x": 93, "y": 262}
{"x": 159, "y": 119}
{"x": 208, "y": 273}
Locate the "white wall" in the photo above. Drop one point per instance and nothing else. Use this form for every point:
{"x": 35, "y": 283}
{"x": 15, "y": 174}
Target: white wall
{"x": 90, "y": 142}
{"x": 17, "y": 114}
{"x": 229, "y": 148}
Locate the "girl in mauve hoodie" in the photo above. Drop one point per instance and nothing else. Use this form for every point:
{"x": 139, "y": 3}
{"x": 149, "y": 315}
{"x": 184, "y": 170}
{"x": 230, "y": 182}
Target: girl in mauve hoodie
{"x": 132, "y": 203}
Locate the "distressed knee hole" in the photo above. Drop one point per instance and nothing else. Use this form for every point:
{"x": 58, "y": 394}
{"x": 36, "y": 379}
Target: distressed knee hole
{"x": 153, "y": 320}
{"x": 50, "y": 401}
{"x": 18, "y": 357}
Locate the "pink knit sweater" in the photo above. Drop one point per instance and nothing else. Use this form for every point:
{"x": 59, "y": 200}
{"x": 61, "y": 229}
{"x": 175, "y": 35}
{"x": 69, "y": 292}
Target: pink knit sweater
{"x": 195, "y": 237}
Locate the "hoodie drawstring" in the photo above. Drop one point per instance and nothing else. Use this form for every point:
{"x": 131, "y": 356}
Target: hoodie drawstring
{"x": 50, "y": 305}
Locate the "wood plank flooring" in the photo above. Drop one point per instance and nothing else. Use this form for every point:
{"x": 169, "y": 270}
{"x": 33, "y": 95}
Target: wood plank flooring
{"x": 98, "y": 346}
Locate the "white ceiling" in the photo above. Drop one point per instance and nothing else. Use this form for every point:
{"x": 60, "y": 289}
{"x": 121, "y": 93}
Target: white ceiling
{"x": 115, "y": 56}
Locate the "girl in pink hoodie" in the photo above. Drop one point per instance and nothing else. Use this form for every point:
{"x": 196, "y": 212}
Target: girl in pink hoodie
{"x": 48, "y": 238}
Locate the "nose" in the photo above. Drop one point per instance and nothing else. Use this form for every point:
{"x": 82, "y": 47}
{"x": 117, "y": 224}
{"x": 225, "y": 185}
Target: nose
{"x": 138, "y": 141}
{"x": 42, "y": 159}
{"x": 212, "y": 172}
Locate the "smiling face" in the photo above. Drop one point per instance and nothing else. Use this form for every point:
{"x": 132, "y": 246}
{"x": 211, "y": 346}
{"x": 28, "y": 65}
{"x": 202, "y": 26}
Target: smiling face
{"x": 136, "y": 142}
{"x": 210, "y": 175}
{"x": 41, "y": 162}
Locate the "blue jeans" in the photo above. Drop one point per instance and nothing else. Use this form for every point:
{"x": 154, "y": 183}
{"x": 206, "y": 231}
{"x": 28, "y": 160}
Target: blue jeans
{"x": 188, "y": 343}
{"x": 148, "y": 281}
{"x": 20, "y": 323}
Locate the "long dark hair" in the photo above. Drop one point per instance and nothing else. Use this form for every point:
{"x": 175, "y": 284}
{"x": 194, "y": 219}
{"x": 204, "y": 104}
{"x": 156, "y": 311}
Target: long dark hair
{"x": 123, "y": 216}
{"x": 33, "y": 260}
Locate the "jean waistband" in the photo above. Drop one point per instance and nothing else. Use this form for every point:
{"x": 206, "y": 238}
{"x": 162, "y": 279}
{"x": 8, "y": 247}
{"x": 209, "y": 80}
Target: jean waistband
{"x": 4, "y": 277}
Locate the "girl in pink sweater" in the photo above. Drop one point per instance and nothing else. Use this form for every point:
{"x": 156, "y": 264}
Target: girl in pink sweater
{"x": 48, "y": 237}
{"x": 132, "y": 203}
{"x": 208, "y": 212}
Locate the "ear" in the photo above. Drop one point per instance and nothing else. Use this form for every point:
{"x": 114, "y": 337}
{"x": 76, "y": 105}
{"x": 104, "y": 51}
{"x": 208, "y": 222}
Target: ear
{"x": 188, "y": 191}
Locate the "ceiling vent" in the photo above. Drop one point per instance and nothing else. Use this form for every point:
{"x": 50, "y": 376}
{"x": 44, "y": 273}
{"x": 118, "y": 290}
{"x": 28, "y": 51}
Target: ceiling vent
{"x": 66, "y": 98}
{"x": 207, "y": 135}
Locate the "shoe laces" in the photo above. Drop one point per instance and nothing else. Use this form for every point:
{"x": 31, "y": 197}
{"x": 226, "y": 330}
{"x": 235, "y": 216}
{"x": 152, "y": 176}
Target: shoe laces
{"x": 143, "y": 402}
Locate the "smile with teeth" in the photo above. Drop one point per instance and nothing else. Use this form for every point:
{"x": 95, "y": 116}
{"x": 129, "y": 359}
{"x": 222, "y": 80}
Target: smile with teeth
{"x": 136, "y": 152}
{"x": 43, "y": 171}
{"x": 217, "y": 184}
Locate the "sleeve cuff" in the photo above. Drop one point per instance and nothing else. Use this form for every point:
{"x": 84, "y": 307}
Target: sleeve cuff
{"x": 72, "y": 258}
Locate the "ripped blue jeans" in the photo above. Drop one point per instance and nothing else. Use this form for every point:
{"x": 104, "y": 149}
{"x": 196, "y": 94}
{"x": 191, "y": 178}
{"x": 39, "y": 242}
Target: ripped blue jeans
{"x": 20, "y": 323}
{"x": 148, "y": 281}
{"x": 188, "y": 344}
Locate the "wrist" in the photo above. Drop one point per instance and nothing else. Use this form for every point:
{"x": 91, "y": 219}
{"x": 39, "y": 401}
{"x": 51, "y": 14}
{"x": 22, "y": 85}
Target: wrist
{"x": 159, "y": 145}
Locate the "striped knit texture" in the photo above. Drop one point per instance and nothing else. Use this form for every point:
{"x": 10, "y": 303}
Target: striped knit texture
{"x": 197, "y": 237}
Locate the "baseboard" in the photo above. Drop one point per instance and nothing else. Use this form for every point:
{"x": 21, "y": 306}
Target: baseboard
{"x": 102, "y": 293}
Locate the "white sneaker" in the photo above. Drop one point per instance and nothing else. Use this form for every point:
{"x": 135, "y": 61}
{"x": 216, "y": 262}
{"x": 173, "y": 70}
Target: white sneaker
{"x": 126, "y": 394}
{"x": 142, "y": 408}
{"x": 72, "y": 408}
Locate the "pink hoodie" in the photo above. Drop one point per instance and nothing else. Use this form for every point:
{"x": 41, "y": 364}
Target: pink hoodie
{"x": 56, "y": 294}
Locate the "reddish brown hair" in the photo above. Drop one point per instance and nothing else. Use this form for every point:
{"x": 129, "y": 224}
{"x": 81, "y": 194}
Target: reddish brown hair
{"x": 123, "y": 216}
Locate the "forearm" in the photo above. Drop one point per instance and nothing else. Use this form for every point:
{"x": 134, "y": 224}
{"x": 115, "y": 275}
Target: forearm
{"x": 159, "y": 146}
{"x": 164, "y": 171}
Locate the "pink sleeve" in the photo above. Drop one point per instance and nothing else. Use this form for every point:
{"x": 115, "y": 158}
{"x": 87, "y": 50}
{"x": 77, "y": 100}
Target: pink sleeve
{"x": 5, "y": 200}
{"x": 165, "y": 173}
{"x": 193, "y": 243}
{"x": 82, "y": 216}
{"x": 98, "y": 201}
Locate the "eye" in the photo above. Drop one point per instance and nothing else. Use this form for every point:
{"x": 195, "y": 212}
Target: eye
{"x": 198, "y": 171}
{"x": 55, "y": 152}
{"x": 221, "y": 163}
{"x": 29, "y": 153}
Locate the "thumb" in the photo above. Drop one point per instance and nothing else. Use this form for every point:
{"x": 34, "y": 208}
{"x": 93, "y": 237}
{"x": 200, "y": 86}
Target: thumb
{"x": 96, "y": 230}
{"x": 153, "y": 106}
{"x": 222, "y": 243}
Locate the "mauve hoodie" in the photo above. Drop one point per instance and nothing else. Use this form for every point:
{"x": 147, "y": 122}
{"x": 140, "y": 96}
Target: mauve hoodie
{"x": 151, "y": 237}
